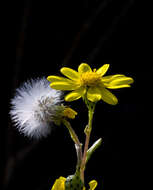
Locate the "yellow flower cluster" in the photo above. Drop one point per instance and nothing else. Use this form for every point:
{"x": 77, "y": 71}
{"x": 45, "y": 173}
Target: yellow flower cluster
{"x": 91, "y": 83}
{"x": 60, "y": 184}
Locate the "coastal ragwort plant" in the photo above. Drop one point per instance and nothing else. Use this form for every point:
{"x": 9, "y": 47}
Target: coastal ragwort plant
{"x": 38, "y": 105}
{"x": 91, "y": 86}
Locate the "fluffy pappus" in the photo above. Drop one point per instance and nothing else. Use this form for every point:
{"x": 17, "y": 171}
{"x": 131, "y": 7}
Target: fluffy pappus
{"x": 33, "y": 107}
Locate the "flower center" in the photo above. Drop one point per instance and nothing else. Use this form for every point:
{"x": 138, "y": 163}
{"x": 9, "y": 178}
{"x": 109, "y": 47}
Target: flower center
{"x": 90, "y": 79}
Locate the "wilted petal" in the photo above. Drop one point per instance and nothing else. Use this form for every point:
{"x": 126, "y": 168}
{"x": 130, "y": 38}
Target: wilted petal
{"x": 102, "y": 70}
{"x": 93, "y": 94}
{"x": 84, "y": 67}
{"x": 70, "y": 73}
{"x": 69, "y": 113}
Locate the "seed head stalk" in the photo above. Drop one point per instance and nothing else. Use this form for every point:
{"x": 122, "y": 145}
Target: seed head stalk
{"x": 78, "y": 145}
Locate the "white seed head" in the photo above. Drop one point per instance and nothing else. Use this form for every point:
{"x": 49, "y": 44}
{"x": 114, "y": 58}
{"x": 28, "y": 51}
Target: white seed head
{"x": 34, "y": 107}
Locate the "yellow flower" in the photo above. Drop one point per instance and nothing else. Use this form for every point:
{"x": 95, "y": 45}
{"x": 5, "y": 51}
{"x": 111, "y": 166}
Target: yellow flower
{"x": 60, "y": 184}
{"x": 89, "y": 82}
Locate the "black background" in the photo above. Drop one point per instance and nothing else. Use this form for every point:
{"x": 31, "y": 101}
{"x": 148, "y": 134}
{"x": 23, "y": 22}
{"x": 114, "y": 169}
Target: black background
{"x": 53, "y": 34}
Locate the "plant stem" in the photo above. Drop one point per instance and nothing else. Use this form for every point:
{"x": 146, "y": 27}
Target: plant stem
{"x": 87, "y": 131}
{"x": 78, "y": 145}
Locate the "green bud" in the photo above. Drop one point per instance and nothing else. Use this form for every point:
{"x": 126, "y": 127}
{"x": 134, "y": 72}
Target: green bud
{"x": 73, "y": 182}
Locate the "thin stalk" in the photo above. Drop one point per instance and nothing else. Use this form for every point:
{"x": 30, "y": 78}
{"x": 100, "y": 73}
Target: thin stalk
{"x": 78, "y": 145}
{"x": 87, "y": 131}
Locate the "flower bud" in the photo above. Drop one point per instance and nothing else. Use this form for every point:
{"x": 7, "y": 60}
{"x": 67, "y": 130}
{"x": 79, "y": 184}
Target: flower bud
{"x": 73, "y": 182}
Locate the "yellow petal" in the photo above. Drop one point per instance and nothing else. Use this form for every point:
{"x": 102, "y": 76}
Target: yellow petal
{"x": 53, "y": 78}
{"x": 93, "y": 94}
{"x": 118, "y": 86}
{"x": 84, "y": 67}
{"x": 70, "y": 73}
{"x": 59, "y": 184}
{"x": 75, "y": 95}
{"x": 108, "y": 97}
{"x": 109, "y": 78}
{"x": 93, "y": 184}
{"x": 102, "y": 70}
{"x": 121, "y": 81}
{"x": 63, "y": 86}
{"x": 117, "y": 81}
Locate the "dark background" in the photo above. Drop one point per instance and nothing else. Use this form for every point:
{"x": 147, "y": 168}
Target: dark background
{"x": 53, "y": 34}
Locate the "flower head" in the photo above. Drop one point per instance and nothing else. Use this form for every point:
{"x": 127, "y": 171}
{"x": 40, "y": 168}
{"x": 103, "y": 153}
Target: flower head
{"x": 60, "y": 184}
{"x": 34, "y": 108}
{"x": 91, "y": 83}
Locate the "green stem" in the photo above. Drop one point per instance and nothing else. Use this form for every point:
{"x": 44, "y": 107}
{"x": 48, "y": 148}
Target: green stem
{"x": 88, "y": 129}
